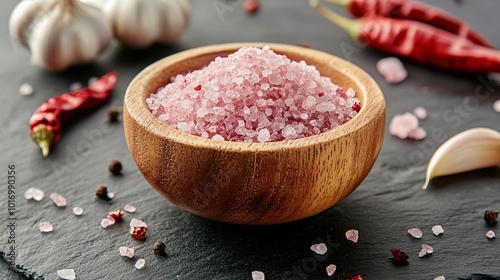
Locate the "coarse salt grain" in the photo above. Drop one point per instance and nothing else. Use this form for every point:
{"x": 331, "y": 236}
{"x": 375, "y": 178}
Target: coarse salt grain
{"x": 34, "y": 193}
{"x": 25, "y": 89}
{"x": 417, "y": 134}
{"x": 258, "y": 275}
{"x": 402, "y": 125}
{"x": 319, "y": 249}
{"x": 415, "y": 232}
{"x": 496, "y": 106}
{"x": 137, "y": 223}
{"x": 67, "y": 274}
{"x": 426, "y": 250}
{"x": 140, "y": 263}
{"x": 107, "y": 222}
{"x": 78, "y": 211}
{"x": 420, "y": 113}
{"x": 46, "y": 227}
{"x": 440, "y": 278}
{"x": 75, "y": 86}
{"x": 126, "y": 252}
{"x": 129, "y": 208}
{"x": 254, "y": 95}
{"x": 58, "y": 199}
{"x": 92, "y": 80}
{"x": 490, "y": 234}
{"x": 330, "y": 269}
{"x": 437, "y": 230}
{"x": 111, "y": 195}
{"x": 392, "y": 69}
{"x": 352, "y": 235}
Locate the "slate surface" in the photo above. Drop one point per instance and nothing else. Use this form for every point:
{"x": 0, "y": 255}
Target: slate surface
{"x": 384, "y": 206}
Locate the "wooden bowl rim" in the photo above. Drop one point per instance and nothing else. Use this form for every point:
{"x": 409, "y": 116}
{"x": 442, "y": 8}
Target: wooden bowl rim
{"x": 372, "y": 106}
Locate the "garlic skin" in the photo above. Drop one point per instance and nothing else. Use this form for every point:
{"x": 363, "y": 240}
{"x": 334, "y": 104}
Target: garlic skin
{"x": 140, "y": 23}
{"x": 60, "y": 33}
{"x": 469, "y": 150}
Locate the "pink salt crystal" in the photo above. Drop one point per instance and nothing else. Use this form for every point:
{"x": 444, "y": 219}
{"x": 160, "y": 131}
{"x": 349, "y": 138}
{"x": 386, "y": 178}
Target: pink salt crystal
{"x": 420, "y": 113}
{"x": 140, "y": 263}
{"x": 111, "y": 195}
{"x": 129, "y": 208}
{"x": 331, "y": 269}
{"x": 58, "y": 199}
{"x": 25, "y": 89}
{"x": 496, "y": 106}
{"x": 275, "y": 99}
{"x": 437, "y": 230}
{"x": 352, "y": 235}
{"x": 417, "y": 134}
{"x": 258, "y": 275}
{"x": 78, "y": 211}
{"x": 107, "y": 222}
{"x": 402, "y": 125}
{"x": 34, "y": 193}
{"x": 67, "y": 274}
{"x": 75, "y": 86}
{"x": 440, "y": 278}
{"x": 415, "y": 232}
{"x": 422, "y": 253}
{"x": 392, "y": 69}
{"x": 319, "y": 249}
{"x": 490, "y": 234}
{"x": 46, "y": 227}
{"x": 426, "y": 250}
{"x": 126, "y": 252}
{"x": 137, "y": 223}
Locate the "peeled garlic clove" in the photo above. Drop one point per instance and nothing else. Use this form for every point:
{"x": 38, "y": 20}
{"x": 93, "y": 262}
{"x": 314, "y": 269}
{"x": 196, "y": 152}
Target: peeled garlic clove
{"x": 469, "y": 150}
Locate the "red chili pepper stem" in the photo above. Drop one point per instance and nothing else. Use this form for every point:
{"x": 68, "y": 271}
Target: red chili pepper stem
{"x": 44, "y": 137}
{"x": 352, "y": 26}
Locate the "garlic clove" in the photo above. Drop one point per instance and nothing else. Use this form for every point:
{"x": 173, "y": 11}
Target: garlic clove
{"x": 469, "y": 150}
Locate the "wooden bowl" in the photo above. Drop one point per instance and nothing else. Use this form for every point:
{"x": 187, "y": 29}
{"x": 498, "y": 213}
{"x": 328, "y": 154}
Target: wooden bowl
{"x": 254, "y": 183}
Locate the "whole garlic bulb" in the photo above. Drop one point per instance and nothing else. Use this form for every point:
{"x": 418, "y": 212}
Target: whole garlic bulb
{"x": 60, "y": 33}
{"x": 140, "y": 23}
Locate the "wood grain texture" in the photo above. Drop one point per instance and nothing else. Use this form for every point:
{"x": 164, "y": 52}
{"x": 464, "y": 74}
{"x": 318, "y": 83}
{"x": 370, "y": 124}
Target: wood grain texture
{"x": 254, "y": 183}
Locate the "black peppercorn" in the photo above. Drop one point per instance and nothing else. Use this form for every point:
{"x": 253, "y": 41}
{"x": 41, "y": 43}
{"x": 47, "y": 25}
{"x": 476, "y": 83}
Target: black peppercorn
{"x": 102, "y": 192}
{"x": 113, "y": 114}
{"x": 490, "y": 216}
{"x": 159, "y": 248}
{"x": 115, "y": 167}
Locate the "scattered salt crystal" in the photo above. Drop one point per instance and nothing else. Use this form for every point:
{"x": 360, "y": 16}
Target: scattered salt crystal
{"x": 92, "y": 80}
{"x": 437, "y": 230}
{"x": 417, "y": 134}
{"x": 402, "y": 125}
{"x": 129, "y": 208}
{"x": 319, "y": 249}
{"x": 420, "y": 113}
{"x": 78, "y": 211}
{"x": 490, "y": 234}
{"x": 415, "y": 232}
{"x": 392, "y": 69}
{"x": 352, "y": 235}
{"x": 25, "y": 89}
{"x": 275, "y": 98}
{"x": 75, "y": 86}
{"x": 422, "y": 253}
{"x": 67, "y": 274}
{"x": 46, "y": 227}
{"x": 426, "y": 250}
{"x": 58, "y": 199}
{"x": 331, "y": 269}
{"x": 440, "y": 278}
{"x": 496, "y": 106}
{"x": 107, "y": 222}
{"x": 34, "y": 193}
{"x": 140, "y": 263}
{"x": 111, "y": 195}
{"x": 137, "y": 223}
{"x": 258, "y": 275}
{"x": 126, "y": 252}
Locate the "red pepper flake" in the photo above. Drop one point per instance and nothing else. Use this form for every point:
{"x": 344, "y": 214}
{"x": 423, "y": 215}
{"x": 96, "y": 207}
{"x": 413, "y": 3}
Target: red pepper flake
{"x": 251, "y": 6}
{"x": 356, "y": 107}
{"x": 357, "y": 277}
{"x": 197, "y": 88}
{"x": 116, "y": 215}
{"x": 400, "y": 256}
{"x": 138, "y": 233}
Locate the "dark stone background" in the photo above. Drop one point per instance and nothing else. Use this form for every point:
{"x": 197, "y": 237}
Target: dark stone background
{"x": 384, "y": 206}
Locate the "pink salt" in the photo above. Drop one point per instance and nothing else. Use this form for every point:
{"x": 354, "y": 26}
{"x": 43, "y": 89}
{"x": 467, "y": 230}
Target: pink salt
{"x": 426, "y": 250}
{"x": 437, "y": 230}
{"x": 107, "y": 222}
{"x": 58, "y": 199}
{"x": 420, "y": 113}
{"x": 352, "y": 235}
{"x": 258, "y": 275}
{"x": 129, "y": 208}
{"x": 140, "y": 263}
{"x": 319, "y": 249}
{"x": 417, "y": 134}
{"x": 440, "y": 278}
{"x": 78, "y": 211}
{"x": 496, "y": 106}
{"x": 330, "y": 269}
{"x": 46, "y": 227}
{"x": 392, "y": 69}
{"x": 253, "y": 95}
{"x": 137, "y": 223}
{"x": 415, "y": 232}
{"x": 67, "y": 274}
{"x": 490, "y": 234}
{"x": 402, "y": 125}
{"x": 34, "y": 193}
{"x": 126, "y": 252}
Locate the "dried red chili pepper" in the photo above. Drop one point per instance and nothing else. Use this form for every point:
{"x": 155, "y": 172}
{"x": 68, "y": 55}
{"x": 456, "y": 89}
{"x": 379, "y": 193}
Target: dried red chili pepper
{"x": 47, "y": 121}
{"x": 357, "y": 277}
{"x": 419, "y": 42}
{"x": 416, "y": 11}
